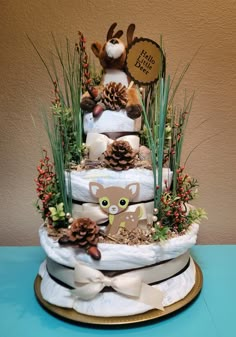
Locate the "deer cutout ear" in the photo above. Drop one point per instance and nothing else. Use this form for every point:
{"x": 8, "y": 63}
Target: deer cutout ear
{"x": 133, "y": 189}
{"x": 96, "y": 189}
{"x": 96, "y": 47}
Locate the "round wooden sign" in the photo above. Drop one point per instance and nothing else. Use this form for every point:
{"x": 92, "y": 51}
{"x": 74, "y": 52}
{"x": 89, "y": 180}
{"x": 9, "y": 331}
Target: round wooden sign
{"x": 145, "y": 61}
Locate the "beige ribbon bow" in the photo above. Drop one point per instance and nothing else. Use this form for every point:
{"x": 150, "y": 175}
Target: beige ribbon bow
{"x": 98, "y": 143}
{"x": 89, "y": 282}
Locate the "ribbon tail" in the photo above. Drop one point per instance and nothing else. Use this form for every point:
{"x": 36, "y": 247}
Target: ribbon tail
{"x": 151, "y": 296}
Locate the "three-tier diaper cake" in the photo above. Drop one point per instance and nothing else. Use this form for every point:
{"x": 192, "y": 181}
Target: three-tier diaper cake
{"x": 112, "y": 190}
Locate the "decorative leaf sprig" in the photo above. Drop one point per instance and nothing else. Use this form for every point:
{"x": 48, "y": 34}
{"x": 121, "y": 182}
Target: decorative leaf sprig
{"x": 48, "y": 191}
{"x": 174, "y": 211}
{"x": 195, "y": 215}
{"x": 161, "y": 232}
{"x": 57, "y": 212}
{"x": 84, "y": 61}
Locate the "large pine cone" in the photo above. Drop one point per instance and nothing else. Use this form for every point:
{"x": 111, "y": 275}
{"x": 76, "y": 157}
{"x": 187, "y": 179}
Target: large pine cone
{"x": 83, "y": 232}
{"x": 114, "y": 96}
{"x": 119, "y": 155}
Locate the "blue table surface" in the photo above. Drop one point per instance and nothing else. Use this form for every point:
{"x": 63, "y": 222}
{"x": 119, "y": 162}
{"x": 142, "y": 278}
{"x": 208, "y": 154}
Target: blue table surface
{"x": 213, "y": 313}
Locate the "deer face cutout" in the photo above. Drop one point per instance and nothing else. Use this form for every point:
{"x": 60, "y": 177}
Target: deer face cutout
{"x": 114, "y": 200}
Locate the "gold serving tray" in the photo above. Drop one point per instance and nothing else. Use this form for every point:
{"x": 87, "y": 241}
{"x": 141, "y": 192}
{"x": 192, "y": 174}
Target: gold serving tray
{"x": 75, "y": 317}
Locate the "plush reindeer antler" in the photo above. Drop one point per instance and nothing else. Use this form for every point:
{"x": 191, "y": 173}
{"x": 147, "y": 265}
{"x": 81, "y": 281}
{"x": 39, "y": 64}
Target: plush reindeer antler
{"x": 130, "y": 33}
{"x": 111, "y": 31}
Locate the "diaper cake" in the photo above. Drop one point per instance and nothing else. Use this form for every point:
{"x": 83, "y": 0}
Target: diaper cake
{"x": 113, "y": 192}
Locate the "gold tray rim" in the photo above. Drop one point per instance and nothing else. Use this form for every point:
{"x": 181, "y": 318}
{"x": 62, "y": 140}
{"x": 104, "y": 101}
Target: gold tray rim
{"x": 75, "y": 317}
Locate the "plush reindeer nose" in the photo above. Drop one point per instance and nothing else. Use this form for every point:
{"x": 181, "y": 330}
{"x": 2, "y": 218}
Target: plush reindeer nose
{"x": 114, "y": 41}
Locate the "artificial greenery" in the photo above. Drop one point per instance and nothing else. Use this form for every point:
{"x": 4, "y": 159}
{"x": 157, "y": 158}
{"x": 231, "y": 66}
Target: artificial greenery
{"x": 58, "y": 147}
{"x": 196, "y": 214}
{"x": 161, "y": 232}
{"x": 69, "y": 73}
{"x": 164, "y": 126}
{"x": 173, "y": 210}
{"x": 49, "y": 193}
{"x": 57, "y": 212}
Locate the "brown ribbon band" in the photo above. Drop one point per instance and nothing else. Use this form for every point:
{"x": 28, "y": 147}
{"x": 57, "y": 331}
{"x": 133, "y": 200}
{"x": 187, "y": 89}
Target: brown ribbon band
{"x": 118, "y": 134}
{"x": 117, "y": 273}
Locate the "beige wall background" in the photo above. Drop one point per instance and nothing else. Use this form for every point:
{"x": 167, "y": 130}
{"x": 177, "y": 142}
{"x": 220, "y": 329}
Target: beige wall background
{"x": 185, "y": 26}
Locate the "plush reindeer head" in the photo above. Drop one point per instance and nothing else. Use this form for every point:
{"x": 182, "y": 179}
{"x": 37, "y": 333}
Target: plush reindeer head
{"x": 112, "y": 54}
{"x": 114, "y": 200}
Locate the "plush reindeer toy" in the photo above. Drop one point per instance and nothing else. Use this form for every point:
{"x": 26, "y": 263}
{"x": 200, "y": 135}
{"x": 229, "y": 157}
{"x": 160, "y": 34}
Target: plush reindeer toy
{"x": 112, "y": 57}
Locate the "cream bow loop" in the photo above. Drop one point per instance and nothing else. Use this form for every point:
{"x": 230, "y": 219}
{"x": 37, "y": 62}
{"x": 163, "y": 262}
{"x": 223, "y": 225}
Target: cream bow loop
{"x": 127, "y": 285}
{"x": 98, "y": 143}
{"x": 89, "y": 282}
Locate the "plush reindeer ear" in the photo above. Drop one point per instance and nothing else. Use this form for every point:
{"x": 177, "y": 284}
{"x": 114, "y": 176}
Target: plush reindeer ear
{"x": 118, "y": 34}
{"x": 133, "y": 189}
{"x": 111, "y": 31}
{"x": 96, "y": 189}
{"x": 96, "y": 47}
{"x": 130, "y": 33}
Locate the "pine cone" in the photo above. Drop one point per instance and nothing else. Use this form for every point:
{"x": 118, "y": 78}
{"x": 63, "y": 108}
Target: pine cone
{"x": 119, "y": 155}
{"x": 83, "y": 232}
{"x": 114, "y": 96}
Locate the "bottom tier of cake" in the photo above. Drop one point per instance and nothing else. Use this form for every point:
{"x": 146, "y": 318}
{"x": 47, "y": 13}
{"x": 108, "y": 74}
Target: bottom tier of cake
{"x": 127, "y": 280}
{"x": 167, "y": 282}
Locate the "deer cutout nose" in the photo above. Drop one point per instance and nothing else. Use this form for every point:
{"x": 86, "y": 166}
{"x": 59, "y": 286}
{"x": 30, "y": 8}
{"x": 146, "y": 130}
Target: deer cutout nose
{"x": 113, "y": 209}
{"x": 114, "y": 41}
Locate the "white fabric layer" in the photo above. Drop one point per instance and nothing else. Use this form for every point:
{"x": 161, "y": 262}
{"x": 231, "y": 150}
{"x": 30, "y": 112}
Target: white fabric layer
{"x": 115, "y": 75}
{"x": 80, "y": 182}
{"x": 125, "y": 256}
{"x": 109, "y": 304}
{"x": 109, "y": 121}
